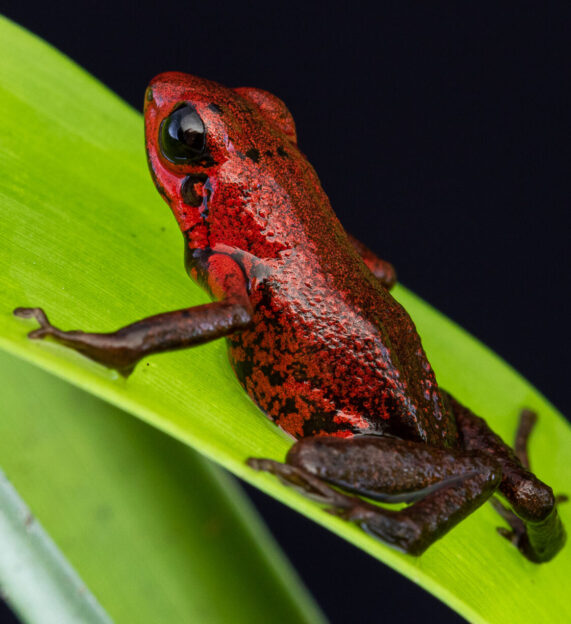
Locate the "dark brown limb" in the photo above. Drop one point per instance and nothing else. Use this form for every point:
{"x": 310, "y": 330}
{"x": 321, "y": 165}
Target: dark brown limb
{"x": 123, "y": 348}
{"x": 304, "y": 482}
{"x": 381, "y": 269}
{"x": 452, "y": 484}
{"x": 527, "y": 420}
{"x": 532, "y": 500}
{"x": 517, "y": 533}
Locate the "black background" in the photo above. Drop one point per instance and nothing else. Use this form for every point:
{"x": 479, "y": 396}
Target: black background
{"x": 440, "y": 132}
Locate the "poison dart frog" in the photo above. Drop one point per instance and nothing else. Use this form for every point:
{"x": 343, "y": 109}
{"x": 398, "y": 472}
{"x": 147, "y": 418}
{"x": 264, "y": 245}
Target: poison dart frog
{"x": 314, "y": 335}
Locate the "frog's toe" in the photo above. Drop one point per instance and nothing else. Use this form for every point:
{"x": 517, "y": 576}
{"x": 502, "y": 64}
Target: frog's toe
{"x": 516, "y": 534}
{"x": 302, "y": 481}
{"x": 33, "y": 313}
{"x": 508, "y": 534}
{"x": 508, "y": 515}
{"x": 350, "y": 513}
{"x": 353, "y": 509}
{"x": 339, "y": 512}
{"x": 40, "y": 316}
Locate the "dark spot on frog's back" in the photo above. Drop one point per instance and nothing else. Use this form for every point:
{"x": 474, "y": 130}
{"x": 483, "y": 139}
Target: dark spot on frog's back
{"x": 253, "y": 154}
{"x": 215, "y": 108}
{"x": 282, "y": 152}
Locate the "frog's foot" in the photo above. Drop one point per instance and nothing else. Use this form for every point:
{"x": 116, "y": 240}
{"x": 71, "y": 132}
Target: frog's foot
{"x": 519, "y": 533}
{"x": 374, "y": 520}
{"x": 350, "y": 508}
{"x": 45, "y": 329}
{"x": 303, "y": 482}
{"x": 99, "y": 347}
{"x": 516, "y": 534}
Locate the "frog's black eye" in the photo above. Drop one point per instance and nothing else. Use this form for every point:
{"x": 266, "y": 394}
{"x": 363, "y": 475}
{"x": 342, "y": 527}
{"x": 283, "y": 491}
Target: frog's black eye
{"x": 182, "y": 135}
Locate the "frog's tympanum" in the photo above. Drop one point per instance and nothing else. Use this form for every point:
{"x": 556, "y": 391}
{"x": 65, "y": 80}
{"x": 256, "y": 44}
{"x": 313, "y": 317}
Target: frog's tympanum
{"x": 314, "y": 335}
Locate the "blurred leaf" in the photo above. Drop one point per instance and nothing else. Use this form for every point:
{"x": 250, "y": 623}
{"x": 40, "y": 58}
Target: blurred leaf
{"x": 158, "y": 533}
{"x": 34, "y": 575}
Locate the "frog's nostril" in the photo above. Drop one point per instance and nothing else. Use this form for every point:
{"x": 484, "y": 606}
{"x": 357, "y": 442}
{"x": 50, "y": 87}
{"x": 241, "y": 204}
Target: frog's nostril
{"x": 188, "y": 190}
{"x": 149, "y": 94}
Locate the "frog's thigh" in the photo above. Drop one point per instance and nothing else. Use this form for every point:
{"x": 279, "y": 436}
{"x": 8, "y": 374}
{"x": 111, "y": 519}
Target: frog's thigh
{"x": 453, "y": 483}
{"x": 383, "y": 468}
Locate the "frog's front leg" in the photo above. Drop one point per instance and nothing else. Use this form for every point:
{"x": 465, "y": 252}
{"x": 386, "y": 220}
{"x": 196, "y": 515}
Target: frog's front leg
{"x": 446, "y": 485}
{"x": 536, "y": 528}
{"x": 123, "y": 348}
{"x": 384, "y": 271}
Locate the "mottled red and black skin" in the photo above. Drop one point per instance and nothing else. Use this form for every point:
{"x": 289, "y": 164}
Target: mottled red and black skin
{"x": 329, "y": 351}
{"x": 314, "y": 335}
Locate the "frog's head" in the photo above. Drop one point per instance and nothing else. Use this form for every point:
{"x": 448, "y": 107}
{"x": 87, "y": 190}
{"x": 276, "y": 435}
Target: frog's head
{"x": 212, "y": 152}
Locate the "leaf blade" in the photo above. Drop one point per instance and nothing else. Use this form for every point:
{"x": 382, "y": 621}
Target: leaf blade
{"x": 224, "y": 424}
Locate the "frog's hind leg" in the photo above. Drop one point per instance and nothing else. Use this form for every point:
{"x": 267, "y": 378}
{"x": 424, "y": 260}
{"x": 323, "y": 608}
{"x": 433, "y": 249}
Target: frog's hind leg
{"x": 535, "y": 525}
{"x": 527, "y": 421}
{"x": 446, "y": 484}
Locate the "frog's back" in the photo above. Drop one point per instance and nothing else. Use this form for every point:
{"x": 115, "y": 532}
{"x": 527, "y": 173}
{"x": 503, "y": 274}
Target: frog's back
{"x": 333, "y": 353}
{"x": 330, "y": 351}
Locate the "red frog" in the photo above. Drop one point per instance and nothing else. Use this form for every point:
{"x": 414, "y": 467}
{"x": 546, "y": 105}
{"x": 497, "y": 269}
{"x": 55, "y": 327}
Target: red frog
{"x": 314, "y": 335}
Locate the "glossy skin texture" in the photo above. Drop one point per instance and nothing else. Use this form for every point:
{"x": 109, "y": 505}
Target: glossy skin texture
{"x": 308, "y": 286}
{"x": 314, "y": 335}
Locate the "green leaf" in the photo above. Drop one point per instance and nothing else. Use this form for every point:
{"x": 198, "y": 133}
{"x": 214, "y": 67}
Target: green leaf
{"x": 158, "y": 533}
{"x": 88, "y": 238}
